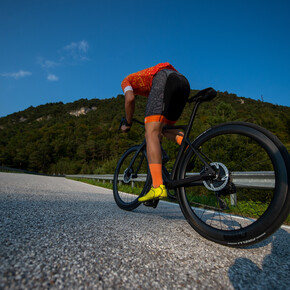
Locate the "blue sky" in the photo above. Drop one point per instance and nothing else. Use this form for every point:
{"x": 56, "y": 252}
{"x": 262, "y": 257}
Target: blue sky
{"x": 64, "y": 50}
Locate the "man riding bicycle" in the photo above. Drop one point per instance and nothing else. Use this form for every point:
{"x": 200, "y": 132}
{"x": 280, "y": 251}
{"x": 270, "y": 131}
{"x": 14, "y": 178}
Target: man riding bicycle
{"x": 167, "y": 91}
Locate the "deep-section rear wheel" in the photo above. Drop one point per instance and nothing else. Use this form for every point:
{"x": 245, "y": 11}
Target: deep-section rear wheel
{"x": 242, "y": 204}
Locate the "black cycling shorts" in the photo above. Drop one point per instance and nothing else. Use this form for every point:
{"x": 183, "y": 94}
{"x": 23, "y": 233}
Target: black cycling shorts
{"x": 168, "y": 96}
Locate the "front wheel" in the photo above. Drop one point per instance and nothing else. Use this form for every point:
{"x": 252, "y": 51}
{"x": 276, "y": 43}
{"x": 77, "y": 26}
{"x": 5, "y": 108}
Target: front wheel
{"x": 243, "y": 203}
{"x": 132, "y": 178}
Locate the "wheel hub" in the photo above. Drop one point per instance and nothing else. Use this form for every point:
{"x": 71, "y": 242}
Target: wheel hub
{"x": 127, "y": 176}
{"x": 221, "y": 179}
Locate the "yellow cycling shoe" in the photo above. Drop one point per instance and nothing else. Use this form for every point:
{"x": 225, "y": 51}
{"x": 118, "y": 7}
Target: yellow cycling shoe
{"x": 154, "y": 193}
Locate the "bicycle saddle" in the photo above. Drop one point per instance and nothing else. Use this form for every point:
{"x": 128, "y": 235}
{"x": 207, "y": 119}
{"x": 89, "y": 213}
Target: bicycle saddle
{"x": 204, "y": 95}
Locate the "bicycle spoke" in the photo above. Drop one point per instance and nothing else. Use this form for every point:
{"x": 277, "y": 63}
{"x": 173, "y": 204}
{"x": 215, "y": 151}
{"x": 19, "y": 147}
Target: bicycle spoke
{"x": 133, "y": 178}
{"x": 250, "y": 201}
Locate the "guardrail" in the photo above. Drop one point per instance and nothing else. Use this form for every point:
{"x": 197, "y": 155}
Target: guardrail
{"x": 110, "y": 177}
{"x": 8, "y": 169}
{"x": 252, "y": 179}
{"x": 93, "y": 176}
{"x": 16, "y": 170}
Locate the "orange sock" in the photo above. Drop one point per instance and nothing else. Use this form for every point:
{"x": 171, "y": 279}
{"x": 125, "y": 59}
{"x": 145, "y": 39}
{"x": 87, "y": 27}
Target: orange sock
{"x": 156, "y": 173}
{"x": 179, "y": 139}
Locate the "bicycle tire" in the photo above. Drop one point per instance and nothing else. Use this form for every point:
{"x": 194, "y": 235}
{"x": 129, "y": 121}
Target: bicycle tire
{"x": 230, "y": 230}
{"x": 285, "y": 211}
{"x": 139, "y": 174}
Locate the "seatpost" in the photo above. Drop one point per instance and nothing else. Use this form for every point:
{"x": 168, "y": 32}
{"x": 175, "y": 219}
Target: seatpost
{"x": 184, "y": 141}
{"x": 192, "y": 117}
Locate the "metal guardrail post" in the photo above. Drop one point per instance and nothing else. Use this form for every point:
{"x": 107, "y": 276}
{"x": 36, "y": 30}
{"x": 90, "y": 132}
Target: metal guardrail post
{"x": 234, "y": 200}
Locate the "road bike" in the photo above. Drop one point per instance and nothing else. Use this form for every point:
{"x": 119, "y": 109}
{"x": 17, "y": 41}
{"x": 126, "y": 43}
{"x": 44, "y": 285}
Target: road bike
{"x": 231, "y": 182}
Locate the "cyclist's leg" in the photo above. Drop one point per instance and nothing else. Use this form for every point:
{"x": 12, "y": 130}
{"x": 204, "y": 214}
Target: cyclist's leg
{"x": 167, "y": 87}
{"x": 174, "y": 135}
{"x": 153, "y": 135}
{"x": 176, "y": 93}
{"x": 153, "y": 128}
{"x": 154, "y": 125}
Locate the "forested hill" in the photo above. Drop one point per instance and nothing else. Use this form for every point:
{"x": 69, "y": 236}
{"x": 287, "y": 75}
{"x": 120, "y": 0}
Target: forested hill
{"x": 83, "y": 137}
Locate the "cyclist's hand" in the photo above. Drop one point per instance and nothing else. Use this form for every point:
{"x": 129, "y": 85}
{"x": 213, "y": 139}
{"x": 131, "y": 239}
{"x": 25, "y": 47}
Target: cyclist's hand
{"x": 125, "y": 129}
{"x": 124, "y": 126}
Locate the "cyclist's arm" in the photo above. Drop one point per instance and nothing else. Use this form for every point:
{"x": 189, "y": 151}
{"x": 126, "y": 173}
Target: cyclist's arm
{"x": 129, "y": 102}
{"x": 129, "y": 110}
{"x": 129, "y": 106}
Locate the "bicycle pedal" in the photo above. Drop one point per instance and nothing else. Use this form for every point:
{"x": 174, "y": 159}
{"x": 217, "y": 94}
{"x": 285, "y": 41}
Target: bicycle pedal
{"x": 151, "y": 203}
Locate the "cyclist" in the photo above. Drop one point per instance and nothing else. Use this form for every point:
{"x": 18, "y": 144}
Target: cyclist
{"x": 167, "y": 91}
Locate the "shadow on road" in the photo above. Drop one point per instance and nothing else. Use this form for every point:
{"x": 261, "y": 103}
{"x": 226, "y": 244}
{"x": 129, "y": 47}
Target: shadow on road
{"x": 274, "y": 271}
{"x": 164, "y": 210}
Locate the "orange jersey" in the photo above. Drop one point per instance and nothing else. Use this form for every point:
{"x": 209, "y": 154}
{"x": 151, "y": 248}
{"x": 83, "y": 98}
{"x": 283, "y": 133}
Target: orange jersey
{"x": 141, "y": 82}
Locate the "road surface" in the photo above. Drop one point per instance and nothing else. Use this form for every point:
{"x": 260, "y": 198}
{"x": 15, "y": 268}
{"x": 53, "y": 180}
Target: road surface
{"x": 58, "y": 233}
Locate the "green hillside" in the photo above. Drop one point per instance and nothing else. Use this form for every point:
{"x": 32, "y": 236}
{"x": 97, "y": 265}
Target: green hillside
{"x": 54, "y": 139}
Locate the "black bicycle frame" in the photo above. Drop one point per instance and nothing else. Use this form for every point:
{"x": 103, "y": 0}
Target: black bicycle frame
{"x": 174, "y": 182}
{"x": 208, "y": 172}
{"x": 136, "y": 154}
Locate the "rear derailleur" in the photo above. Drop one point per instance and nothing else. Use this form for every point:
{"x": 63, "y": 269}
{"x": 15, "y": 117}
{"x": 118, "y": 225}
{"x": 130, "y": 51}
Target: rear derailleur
{"x": 229, "y": 189}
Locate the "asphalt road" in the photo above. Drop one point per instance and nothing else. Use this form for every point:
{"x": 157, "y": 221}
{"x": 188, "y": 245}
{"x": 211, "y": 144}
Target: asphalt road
{"x": 58, "y": 233}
